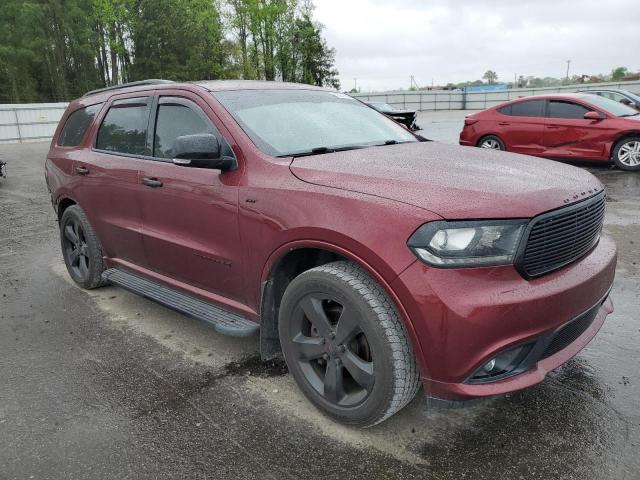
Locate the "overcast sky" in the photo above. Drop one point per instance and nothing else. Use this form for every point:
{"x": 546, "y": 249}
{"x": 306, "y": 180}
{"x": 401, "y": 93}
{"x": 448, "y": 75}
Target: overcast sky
{"x": 384, "y": 42}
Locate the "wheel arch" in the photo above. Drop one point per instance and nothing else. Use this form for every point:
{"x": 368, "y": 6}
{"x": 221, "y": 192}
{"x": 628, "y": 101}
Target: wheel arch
{"x": 296, "y": 257}
{"x": 62, "y": 204}
{"x": 498, "y": 136}
{"x": 619, "y": 137}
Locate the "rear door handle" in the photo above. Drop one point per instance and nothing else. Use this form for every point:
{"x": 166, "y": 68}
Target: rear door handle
{"x": 82, "y": 170}
{"x": 152, "y": 182}
{"x": 554, "y": 127}
{"x": 504, "y": 123}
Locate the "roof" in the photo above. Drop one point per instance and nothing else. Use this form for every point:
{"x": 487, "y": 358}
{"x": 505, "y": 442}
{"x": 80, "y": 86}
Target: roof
{"x": 577, "y": 95}
{"x": 211, "y": 85}
{"x": 219, "y": 85}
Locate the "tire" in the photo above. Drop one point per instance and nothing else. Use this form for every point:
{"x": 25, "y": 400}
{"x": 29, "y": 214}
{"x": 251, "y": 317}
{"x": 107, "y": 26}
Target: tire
{"x": 81, "y": 249}
{"x": 356, "y": 333}
{"x": 491, "y": 142}
{"x": 626, "y": 154}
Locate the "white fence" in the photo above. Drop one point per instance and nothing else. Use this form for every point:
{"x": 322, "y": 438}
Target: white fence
{"x": 29, "y": 122}
{"x": 34, "y": 122}
{"x": 449, "y": 100}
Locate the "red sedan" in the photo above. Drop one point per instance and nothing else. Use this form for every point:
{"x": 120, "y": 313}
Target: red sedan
{"x": 563, "y": 126}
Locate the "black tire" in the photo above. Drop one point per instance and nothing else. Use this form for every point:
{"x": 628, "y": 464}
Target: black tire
{"x": 364, "y": 335}
{"x": 81, "y": 248}
{"x": 491, "y": 142}
{"x": 624, "y": 155}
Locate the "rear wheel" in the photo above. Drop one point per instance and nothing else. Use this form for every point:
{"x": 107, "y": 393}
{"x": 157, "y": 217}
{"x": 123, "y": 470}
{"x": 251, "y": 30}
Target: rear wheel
{"x": 626, "y": 153}
{"x": 81, "y": 248}
{"x": 491, "y": 142}
{"x": 346, "y": 346}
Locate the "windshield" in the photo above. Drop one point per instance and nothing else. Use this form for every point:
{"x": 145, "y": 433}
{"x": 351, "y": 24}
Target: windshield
{"x": 611, "y": 106}
{"x": 291, "y": 122}
{"x": 382, "y": 106}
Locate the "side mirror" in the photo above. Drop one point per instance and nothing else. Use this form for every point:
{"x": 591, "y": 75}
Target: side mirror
{"x": 626, "y": 101}
{"x": 201, "y": 150}
{"x": 593, "y": 116}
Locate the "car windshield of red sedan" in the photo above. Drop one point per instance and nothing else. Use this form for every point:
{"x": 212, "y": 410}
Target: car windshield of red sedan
{"x": 611, "y": 106}
{"x": 309, "y": 122}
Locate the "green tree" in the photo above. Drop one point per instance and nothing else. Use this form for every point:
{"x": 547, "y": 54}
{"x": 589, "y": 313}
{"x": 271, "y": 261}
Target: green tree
{"x": 54, "y": 50}
{"x": 490, "y": 76}
{"x": 619, "y": 73}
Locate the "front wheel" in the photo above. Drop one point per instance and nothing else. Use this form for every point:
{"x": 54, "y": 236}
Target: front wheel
{"x": 626, "y": 154}
{"x": 346, "y": 346}
{"x": 491, "y": 142}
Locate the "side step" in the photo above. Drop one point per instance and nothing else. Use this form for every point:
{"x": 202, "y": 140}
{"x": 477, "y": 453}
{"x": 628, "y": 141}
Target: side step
{"x": 221, "y": 320}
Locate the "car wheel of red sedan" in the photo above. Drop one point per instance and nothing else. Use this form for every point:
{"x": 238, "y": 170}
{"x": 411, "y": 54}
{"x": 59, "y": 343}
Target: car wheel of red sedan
{"x": 492, "y": 142}
{"x": 626, "y": 154}
{"x": 345, "y": 345}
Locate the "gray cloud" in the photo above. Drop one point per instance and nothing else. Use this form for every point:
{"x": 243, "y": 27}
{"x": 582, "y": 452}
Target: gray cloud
{"x": 382, "y": 43}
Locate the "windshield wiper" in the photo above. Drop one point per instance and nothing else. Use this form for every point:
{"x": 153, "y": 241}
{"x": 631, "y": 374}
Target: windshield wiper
{"x": 322, "y": 150}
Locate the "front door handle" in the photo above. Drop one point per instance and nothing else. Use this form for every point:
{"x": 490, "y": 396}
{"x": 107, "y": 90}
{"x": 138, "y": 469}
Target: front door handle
{"x": 554, "y": 127}
{"x": 152, "y": 182}
{"x": 504, "y": 123}
{"x": 82, "y": 170}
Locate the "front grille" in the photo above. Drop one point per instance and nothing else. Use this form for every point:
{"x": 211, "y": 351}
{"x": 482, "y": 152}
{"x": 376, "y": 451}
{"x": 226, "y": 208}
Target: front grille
{"x": 560, "y": 237}
{"x": 568, "y": 334}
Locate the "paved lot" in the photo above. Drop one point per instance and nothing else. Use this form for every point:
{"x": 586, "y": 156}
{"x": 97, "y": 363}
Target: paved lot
{"x": 109, "y": 385}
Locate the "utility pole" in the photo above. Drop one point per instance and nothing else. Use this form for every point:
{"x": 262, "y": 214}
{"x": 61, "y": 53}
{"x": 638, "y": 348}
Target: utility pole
{"x": 355, "y": 84}
{"x": 568, "y": 63}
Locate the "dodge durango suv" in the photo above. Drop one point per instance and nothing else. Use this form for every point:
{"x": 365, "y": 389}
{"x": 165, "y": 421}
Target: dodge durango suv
{"x": 372, "y": 261}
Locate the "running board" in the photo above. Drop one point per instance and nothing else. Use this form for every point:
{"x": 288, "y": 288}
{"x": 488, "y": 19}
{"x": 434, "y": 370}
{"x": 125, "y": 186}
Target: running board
{"x": 221, "y": 320}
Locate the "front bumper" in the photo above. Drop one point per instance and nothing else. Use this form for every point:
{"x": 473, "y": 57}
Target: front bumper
{"x": 464, "y": 317}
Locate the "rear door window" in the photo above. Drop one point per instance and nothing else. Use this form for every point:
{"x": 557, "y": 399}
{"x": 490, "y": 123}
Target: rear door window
{"x": 76, "y": 125}
{"x": 529, "y": 108}
{"x": 124, "y": 128}
{"x": 564, "y": 109}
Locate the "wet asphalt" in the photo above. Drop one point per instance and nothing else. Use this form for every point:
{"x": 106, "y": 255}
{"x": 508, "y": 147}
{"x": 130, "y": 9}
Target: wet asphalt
{"x": 105, "y": 384}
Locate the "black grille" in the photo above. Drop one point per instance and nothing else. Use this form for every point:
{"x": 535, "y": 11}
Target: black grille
{"x": 560, "y": 237}
{"x": 570, "y": 332}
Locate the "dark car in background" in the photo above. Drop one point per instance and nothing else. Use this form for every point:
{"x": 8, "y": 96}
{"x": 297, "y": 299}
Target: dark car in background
{"x": 576, "y": 126}
{"x": 623, "y": 96}
{"x": 405, "y": 117}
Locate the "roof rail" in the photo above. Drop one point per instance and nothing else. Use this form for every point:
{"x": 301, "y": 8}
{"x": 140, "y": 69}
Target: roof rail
{"x": 151, "y": 81}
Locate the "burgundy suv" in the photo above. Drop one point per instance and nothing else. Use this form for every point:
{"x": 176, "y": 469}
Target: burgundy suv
{"x": 375, "y": 262}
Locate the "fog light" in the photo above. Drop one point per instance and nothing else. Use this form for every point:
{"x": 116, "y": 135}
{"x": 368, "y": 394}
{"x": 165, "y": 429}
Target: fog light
{"x": 489, "y": 365}
{"x": 507, "y": 363}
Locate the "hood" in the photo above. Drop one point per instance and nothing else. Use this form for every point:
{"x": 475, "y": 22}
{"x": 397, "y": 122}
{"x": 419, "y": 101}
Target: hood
{"x": 451, "y": 181}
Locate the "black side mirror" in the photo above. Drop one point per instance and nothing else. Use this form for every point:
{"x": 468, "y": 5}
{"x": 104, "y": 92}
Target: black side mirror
{"x": 202, "y": 150}
{"x": 626, "y": 101}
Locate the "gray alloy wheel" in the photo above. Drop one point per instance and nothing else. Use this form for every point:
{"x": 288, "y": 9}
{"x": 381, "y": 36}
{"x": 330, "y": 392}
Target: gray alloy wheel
{"x": 491, "y": 142}
{"x": 81, "y": 248}
{"x": 626, "y": 154}
{"x": 346, "y": 346}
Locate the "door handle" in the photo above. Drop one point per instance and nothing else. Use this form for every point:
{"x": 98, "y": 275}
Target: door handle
{"x": 553, "y": 127}
{"x": 504, "y": 123}
{"x": 152, "y": 182}
{"x": 82, "y": 170}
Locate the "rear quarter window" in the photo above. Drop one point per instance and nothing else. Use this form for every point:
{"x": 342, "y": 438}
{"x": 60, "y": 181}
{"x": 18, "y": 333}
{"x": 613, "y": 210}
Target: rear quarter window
{"x": 529, "y": 108}
{"x": 77, "y": 124}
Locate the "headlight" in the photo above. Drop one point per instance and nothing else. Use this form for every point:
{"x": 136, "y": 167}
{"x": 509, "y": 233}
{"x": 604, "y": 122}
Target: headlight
{"x": 468, "y": 243}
